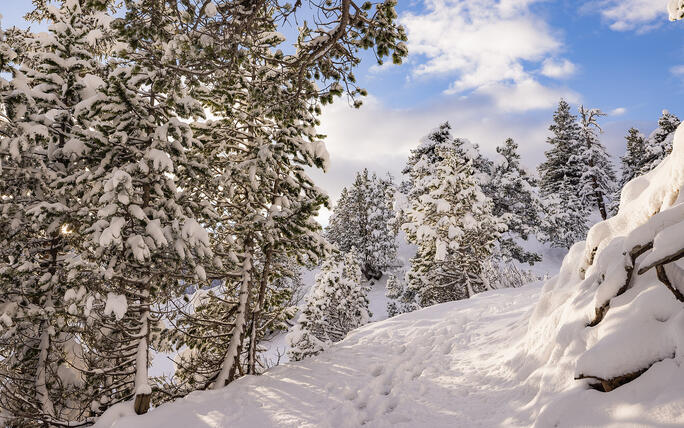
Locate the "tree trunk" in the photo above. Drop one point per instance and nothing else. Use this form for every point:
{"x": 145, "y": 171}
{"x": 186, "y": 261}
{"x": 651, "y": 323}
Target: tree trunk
{"x": 143, "y": 391}
{"x": 41, "y": 371}
{"x": 256, "y": 314}
{"x": 229, "y": 361}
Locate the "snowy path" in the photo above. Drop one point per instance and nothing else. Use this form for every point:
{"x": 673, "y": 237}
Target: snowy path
{"x": 446, "y": 366}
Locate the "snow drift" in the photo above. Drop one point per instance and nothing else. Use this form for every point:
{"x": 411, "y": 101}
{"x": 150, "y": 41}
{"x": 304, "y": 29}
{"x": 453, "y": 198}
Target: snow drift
{"x": 600, "y": 344}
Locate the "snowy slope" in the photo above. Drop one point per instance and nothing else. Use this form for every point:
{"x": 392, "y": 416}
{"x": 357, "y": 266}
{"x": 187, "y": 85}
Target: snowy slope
{"x": 448, "y": 365}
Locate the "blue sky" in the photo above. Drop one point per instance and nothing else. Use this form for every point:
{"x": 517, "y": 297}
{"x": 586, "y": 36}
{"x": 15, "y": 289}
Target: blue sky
{"x": 497, "y": 68}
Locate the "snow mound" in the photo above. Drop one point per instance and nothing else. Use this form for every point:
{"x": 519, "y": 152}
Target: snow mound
{"x": 614, "y": 316}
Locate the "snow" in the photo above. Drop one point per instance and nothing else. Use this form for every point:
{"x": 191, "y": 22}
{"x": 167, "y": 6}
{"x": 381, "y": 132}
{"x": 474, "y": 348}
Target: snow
{"x": 210, "y": 9}
{"x": 153, "y": 229}
{"x": 347, "y": 385}
{"x": 112, "y": 234}
{"x": 116, "y": 304}
{"x": 675, "y": 8}
{"x": 161, "y": 161}
{"x": 666, "y": 243}
{"x": 438, "y": 367}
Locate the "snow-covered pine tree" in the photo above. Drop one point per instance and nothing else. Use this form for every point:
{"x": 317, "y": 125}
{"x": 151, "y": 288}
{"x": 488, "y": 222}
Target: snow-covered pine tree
{"x": 560, "y": 182}
{"x": 341, "y": 229}
{"x": 266, "y": 104}
{"x": 337, "y": 304}
{"x": 41, "y": 272}
{"x": 143, "y": 218}
{"x": 598, "y": 176}
{"x": 659, "y": 143}
{"x": 562, "y": 169}
{"x": 564, "y": 222}
{"x": 515, "y": 201}
{"x": 364, "y": 219}
{"x": 450, "y": 220}
{"x": 393, "y": 292}
{"x": 631, "y": 163}
{"x": 382, "y": 225}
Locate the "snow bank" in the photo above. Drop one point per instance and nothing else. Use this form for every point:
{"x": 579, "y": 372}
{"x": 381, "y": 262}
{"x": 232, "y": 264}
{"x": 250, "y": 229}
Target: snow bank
{"x": 609, "y": 331}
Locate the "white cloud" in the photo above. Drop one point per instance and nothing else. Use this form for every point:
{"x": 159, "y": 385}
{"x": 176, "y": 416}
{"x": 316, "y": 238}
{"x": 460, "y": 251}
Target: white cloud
{"x": 625, "y": 15}
{"x": 486, "y": 45}
{"x": 618, "y": 111}
{"x": 380, "y": 138}
{"x": 526, "y": 95}
{"x": 677, "y": 70}
{"x": 558, "y": 69}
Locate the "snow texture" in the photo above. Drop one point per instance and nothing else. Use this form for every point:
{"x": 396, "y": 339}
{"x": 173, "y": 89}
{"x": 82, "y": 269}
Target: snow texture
{"x": 116, "y": 304}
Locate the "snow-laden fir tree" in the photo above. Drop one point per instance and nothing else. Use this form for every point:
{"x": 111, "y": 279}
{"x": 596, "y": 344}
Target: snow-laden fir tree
{"x": 631, "y": 163}
{"x": 337, "y": 304}
{"x": 451, "y": 222}
{"x": 364, "y": 219}
{"x": 515, "y": 201}
{"x": 393, "y": 292}
{"x": 598, "y": 176}
{"x": 659, "y": 144}
{"x": 561, "y": 182}
{"x": 44, "y": 137}
{"x": 426, "y": 154}
{"x": 564, "y": 222}
{"x": 143, "y": 226}
{"x": 400, "y": 299}
{"x": 562, "y": 169}
{"x": 266, "y": 107}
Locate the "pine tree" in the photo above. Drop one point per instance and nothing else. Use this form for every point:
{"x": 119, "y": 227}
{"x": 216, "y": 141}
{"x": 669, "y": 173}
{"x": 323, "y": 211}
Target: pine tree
{"x": 598, "y": 177}
{"x": 41, "y": 271}
{"x": 631, "y": 163}
{"x": 561, "y": 182}
{"x": 562, "y": 169}
{"x": 143, "y": 220}
{"x": 393, "y": 292}
{"x": 342, "y": 229}
{"x": 112, "y": 179}
{"x": 659, "y": 143}
{"x": 337, "y": 304}
{"x": 364, "y": 219}
{"x": 266, "y": 107}
{"x": 565, "y": 218}
{"x": 450, "y": 220}
{"x": 515, "y": 201}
